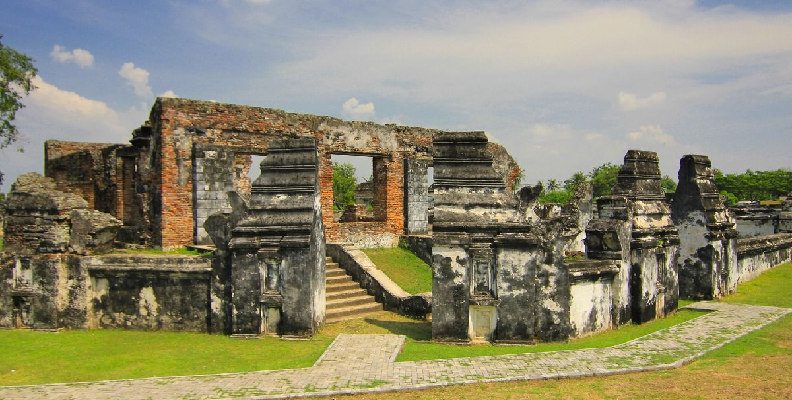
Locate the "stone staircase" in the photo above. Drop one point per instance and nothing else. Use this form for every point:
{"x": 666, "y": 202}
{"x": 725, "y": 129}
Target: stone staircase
{"x": 345, "y": 299}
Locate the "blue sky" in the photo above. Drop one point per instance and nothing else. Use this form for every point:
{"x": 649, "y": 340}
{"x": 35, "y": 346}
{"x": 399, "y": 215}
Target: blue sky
{"x": 565, "y": 86}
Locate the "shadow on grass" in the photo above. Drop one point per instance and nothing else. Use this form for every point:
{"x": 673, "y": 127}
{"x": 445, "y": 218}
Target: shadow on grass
{"x": 418, "y": 330}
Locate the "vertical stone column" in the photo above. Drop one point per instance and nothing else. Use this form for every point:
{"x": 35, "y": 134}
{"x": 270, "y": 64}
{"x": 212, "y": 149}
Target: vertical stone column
{"x": 654, "y": 240}
{"x": 495, "y": 277}
{"x": 416, "y": 196}
{"x": 213, "y": 177}
{"x": 278, "y": 257}
{"x": 708, "y": 258}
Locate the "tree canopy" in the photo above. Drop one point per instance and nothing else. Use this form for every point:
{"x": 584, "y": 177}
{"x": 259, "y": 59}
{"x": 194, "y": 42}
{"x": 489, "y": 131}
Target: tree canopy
{"x": 602, "y": 180}
{"x": 754, "y": 185}
{"x": 16, "y": 76}
{"x": 344, "y": 185}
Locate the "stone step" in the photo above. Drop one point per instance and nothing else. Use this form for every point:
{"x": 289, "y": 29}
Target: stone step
{"x": 343, "y": 294}
{"x": 352, "y": 312}
{"x": 340, "y": 287}
{"x": 331, "y": 265}
{"x": 335, "y": 272}
{"x": 329, "y": 259}
{"x": 336, "y": 304}
{"x": 334, "y": 280}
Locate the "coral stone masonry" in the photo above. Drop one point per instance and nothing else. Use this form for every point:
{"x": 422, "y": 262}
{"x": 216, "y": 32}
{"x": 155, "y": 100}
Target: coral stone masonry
{"x": 504, "y": 268}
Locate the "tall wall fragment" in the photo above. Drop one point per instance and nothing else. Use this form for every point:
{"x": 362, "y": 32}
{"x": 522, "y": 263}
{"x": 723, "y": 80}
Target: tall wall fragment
{"x": 646, "y": 286}
{"x": 708, "y": 249}
{"x": 495, "y": 277}
{"x": 277, "y": 248}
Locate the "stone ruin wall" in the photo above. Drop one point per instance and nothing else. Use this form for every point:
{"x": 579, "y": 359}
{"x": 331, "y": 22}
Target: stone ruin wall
{"x": 189, "y": 154}
{"x": 48, "y": 280}
{"x": 184, "y": 161}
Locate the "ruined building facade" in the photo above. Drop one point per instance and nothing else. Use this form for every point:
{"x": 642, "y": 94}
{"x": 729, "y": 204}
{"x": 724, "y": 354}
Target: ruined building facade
{"x": 498, "y": 258}
{"x": 185, "y": 159}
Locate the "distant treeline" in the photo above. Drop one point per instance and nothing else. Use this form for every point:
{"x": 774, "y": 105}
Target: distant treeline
{"x": 754, "y": 185}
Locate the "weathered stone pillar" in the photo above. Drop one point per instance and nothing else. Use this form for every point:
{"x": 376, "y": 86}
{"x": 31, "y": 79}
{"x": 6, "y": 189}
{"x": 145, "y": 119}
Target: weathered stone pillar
{"x": 647, "y": 284}
{"x": 495, "y": 277}
{"x": 277, "y": 249}
{"x": 41, "y": 285}
{"x": 416, "y": 196}
{"x": 708, "y": 252}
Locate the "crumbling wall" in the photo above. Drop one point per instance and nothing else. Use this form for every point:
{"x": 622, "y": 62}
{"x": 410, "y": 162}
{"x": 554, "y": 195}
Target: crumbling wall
{"x": 42, "y": 220}
{"x": 273, "y": 248}
{"x": 148, "y": 292}
{"x": 647, "y": 284}
{"x": 48, "y": 283}
{"x": 758, "y": 254}
{"x": 179, "y": 126}
{"x": 708, "y": 258}
{"x": 89, "y": 170}
{"x": 591, "y": 295}
{"x": 494, "y": 276}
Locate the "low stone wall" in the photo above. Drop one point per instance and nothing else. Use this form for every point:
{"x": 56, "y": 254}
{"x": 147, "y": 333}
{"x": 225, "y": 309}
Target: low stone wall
{"x": 145, "y": 292}
{"x": 366, "y": 235}
{"x": 758, "y": 254}
{"x": 377, "y": 284}
{"x": 420, "y": 245}
{"x": 149, "y": 292}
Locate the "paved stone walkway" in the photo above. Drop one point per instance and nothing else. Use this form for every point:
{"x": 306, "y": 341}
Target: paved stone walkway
{"x": 365, "y": 363}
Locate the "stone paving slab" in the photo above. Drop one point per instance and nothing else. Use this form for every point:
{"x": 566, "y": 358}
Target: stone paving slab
{"x": 365, "y": 363}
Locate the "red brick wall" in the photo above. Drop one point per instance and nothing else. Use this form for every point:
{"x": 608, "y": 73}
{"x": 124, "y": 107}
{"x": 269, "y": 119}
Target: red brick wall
{"x": 179, "y": 124}
{"x": 88, "y": 170}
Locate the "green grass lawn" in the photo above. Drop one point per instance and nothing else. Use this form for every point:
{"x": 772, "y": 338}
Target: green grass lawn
{"x": 756, "y": 365}
{"x": 404, "y": 268}
{"x": 72, "y": 356}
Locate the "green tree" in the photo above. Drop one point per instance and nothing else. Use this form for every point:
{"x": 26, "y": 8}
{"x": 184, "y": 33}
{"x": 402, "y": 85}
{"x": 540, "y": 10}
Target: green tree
{"x": 669, "y": 184}
{"x": 754, "y": 185}
{"x": 553, "y": 185}
{"x": 576, "y": 180}
{"x": 16, "y": 75}
{"x": 604, "y": 178}
{"x": 344, "y": 185}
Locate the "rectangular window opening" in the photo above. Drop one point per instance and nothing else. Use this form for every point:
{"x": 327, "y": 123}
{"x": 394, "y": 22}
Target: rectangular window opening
{"x": 358, "y": 188}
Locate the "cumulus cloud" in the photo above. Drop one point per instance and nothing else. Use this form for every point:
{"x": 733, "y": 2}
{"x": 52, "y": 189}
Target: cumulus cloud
{"x": 54, "y": 113}
{"x": 81, "y": 57}
{"x": 67, "y": 103}
{"x": 652, "y": 134}
{"x": 138, "y": 78}
{"x": 169, "y": 93}
{"x": 354, "y": 109}
{"x": 629, "y": 101}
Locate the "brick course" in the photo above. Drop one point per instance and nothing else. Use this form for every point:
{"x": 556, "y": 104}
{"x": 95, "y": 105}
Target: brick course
{"x": 157, "y": 189}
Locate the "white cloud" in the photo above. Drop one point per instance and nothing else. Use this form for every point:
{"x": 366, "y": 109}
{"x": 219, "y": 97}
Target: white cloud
{"x": 652, "y": 134}
{"x": 594, "y": 136}
{"x": 169, "y": 93}
{"x": 354, "y": 109}
{"x": 66, "y": 104}
{"x": 54, "y": 113}
{"x": 81, "y": 57}
{"x": 138, "y": 78}
{"x": 629, "y": 101}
